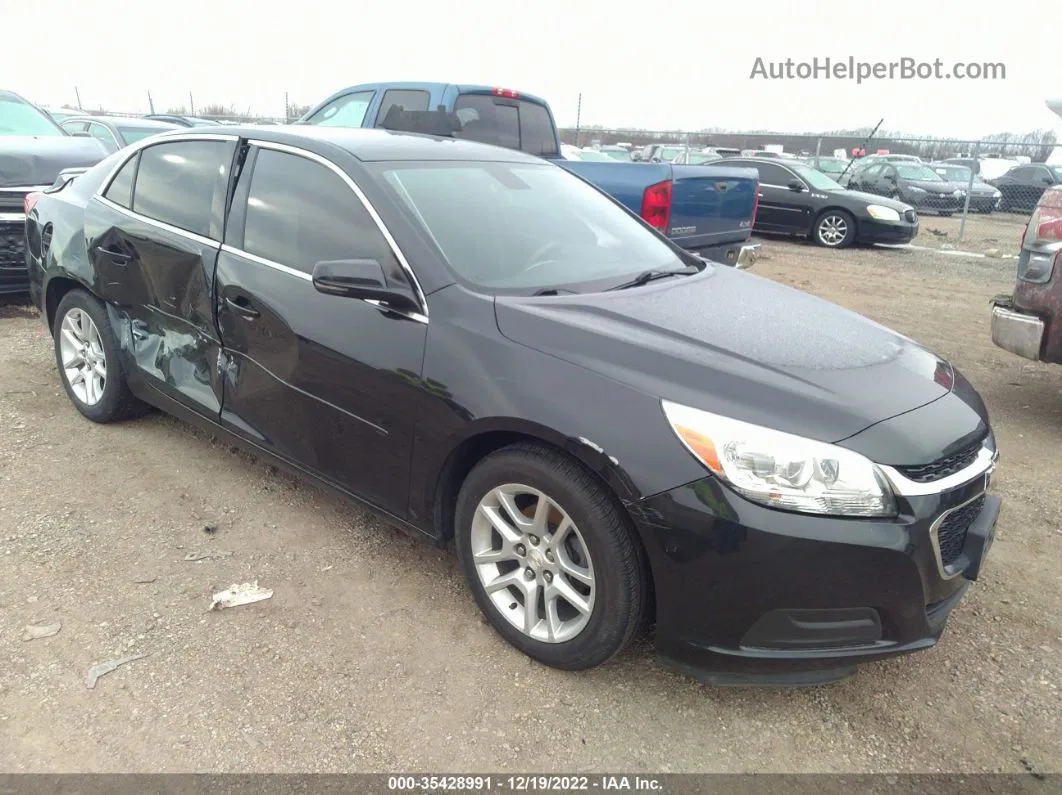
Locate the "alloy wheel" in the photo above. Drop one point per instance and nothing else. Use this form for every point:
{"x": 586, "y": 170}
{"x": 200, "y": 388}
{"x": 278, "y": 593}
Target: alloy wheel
{"x": 83, "y": 359}
{"x": 833, "y": 229}
{"x": 533, "y": 563}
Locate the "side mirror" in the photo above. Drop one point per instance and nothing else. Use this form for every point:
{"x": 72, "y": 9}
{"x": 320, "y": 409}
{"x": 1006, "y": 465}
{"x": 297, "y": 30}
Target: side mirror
{"x": 1047, "y": 180}
{"x": 796, "y": 186}
{"x": 363, "y": 279}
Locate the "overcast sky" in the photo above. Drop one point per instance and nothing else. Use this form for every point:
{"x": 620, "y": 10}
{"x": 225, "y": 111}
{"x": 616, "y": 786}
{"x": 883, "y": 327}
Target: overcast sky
{"x": 656, "y": 65}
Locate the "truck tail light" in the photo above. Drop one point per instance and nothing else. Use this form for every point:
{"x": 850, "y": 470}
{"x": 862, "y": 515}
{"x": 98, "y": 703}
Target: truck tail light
{"x": 505, "y": 92}
{"x": 755, "y": 205}
{"x": 656, "y": 205}
{"x": 1046, "y": 221}
{"x": 29, "y": 202}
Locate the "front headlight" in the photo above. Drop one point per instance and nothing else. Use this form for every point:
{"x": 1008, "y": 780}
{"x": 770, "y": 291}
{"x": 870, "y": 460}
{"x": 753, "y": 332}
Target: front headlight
{"x": 781, "y": 470}
{"x": 959, "y": 194}
{"x": 882, "y": 213}
{"x": 996, "y": 194}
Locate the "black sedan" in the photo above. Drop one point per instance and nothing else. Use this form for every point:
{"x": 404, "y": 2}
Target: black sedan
{"x": 914, "y": 183}
{"x": 482, "y": 347}
{"x": 984, "y": 198}
{"x": 115, "y": 132}
{"x": 796, "y": 199}
{"x": 1023, "y": 186}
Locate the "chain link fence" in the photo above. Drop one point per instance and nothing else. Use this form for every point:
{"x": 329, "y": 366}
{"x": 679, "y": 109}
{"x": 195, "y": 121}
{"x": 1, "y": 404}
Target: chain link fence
{"x": 970, "y": 195}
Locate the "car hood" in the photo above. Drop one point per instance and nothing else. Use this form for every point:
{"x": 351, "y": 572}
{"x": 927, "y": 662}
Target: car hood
{"x": 37, "y": 160}
{"x": 735, "y": 344}
{"x": 873, "y": 198}
{"x": 933, "y": 187}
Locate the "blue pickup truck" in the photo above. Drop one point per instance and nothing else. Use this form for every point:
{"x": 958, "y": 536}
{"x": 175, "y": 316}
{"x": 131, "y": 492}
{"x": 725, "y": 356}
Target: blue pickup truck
{"x": 707, "y": 209}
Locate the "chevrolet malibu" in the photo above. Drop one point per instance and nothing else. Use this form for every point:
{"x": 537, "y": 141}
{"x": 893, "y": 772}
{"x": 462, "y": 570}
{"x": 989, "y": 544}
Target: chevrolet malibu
{"x": 483, "y": 348}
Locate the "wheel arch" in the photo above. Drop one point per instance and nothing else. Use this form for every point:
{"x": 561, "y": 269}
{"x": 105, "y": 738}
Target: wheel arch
{"x": 55, "y": 290}
{"x": 482, "y": 438}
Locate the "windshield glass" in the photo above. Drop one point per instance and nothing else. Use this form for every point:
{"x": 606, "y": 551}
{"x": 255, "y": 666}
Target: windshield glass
{"x": 21, "y": 118}
{"x": 1057, "y": 171}
{"x": 831, "y": 165}
{"x": 133, "y": 133}
{"x": 669, "y": 152}
{"x": 521, "y": 227}
{"x": 618, "y": 154}
{"x": 814, "y": 177}
{"x": 590, "y": 154}
{"x": 917, "y": 173}
{"x": 954, "y": 173}
{"x": 696, "y": 159}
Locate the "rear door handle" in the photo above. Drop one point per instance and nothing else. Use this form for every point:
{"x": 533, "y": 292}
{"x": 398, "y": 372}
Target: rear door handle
{"x": 242, "y": 307}
{"x": 120, "y": 257}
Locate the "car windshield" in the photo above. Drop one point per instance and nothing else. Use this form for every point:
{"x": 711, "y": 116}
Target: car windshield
{"x": 1057, "y": 171}
{"x": 954, "y": 173}
{"x": 133, "y": 133}
{"x": 696, "y": 159}
{"x": 618, "y": 154}
{"x": 590, "y": 154}
{"x": 669, "y": 152}
{"x": 20, "y": 118}
{"x": 830, "y": 165}
{"x": 524, "y": 227}
{"x": 917, "y": 173}
{"x": 815, "y": 178}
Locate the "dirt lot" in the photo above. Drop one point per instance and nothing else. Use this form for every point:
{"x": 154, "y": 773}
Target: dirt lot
{"x": 371, "y": 655}
{"x": 997, "y": 234}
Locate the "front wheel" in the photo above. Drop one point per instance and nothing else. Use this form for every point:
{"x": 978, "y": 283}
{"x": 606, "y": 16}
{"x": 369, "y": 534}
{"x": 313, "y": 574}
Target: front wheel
{"x": 550, "y": 558}
{"x": 834, "y": 229}
{"x": 86, "y": 353}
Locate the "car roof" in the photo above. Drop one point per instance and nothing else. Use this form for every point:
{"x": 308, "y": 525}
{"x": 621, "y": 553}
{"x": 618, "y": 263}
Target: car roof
{"x": 369, "y": 144}
{"x": 138, "y": 121}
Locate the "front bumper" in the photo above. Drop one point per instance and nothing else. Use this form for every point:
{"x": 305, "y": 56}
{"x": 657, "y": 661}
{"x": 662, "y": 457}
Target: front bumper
{"x": 13, "y": 275}
{"x": 935, "y": 203}
{"x": 1020, "y": 333}
{"x": 871, "y": 230}
{"x": 750, "y": 595}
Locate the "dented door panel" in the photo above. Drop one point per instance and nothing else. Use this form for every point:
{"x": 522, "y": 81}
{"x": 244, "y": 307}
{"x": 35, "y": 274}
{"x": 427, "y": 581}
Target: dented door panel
{"x": 162, "y": 279}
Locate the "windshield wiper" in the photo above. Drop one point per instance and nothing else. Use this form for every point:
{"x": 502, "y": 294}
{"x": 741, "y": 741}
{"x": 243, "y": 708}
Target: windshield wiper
{"x": 647, "y": 276}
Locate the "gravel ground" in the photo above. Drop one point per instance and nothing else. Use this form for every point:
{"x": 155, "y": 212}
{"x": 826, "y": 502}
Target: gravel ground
{"x": 994, "y": 233}
{"x": 372, "y": 655}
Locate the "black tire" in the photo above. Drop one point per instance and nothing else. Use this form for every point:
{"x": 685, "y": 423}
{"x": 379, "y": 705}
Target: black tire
{"x": 823, "y": 223}
{"x": 116, "y": 401}
{"x": 620, "y": 578}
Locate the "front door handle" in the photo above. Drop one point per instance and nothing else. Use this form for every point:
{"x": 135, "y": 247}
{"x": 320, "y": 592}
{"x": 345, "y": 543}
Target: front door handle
{"x": 119, "y": 257}
{"x": 242, "y": 307}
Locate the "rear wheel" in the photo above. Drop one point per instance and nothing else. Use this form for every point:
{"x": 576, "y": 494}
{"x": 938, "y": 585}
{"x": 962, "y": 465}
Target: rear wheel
{"x": 86, "y": 353}
{"x": 550, "y": 558}
{"x": 834, "y": 229}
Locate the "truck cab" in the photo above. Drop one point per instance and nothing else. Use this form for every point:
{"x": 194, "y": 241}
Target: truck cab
{"x": 705, "y": 209}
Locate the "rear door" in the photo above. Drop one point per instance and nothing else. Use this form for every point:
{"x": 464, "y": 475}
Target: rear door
{"x": 153, "y": 234}
{"x": 320, "y": 380}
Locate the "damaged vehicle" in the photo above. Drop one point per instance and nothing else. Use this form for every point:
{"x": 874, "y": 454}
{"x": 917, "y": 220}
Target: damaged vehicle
{"x": 483, "y": 348}
{"x": 33, "y": 150}
{"x": 1028, "y": 322}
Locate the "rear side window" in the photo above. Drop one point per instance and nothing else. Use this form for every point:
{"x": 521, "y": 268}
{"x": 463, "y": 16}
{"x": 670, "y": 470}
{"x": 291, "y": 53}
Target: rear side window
{"x": 300, "y": 212}
{"x": 347, "y": 111}
{"x": 407, "y": 100}
{"x": 120, "y": 191}
{"x": 771, "y": 174}
{"x": 506, "y": 122}
{"x": 183, "y": 184}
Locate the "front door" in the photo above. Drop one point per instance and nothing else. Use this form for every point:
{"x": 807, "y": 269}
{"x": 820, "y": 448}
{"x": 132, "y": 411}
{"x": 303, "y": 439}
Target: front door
{"x": 317, "y": 379}
{"x": 781, "y": 209}
{"x": 154, "y": 237}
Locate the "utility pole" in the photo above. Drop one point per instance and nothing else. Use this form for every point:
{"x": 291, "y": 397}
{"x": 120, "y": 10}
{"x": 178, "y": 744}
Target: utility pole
{"x": 863, "y": 148}
{"x": 578, "y": 120}
{"x": 191, "y": 104}
{"x": 287, "y": 108}
{"x": 78, "y": 95}
{"x": 151, "y": 104}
